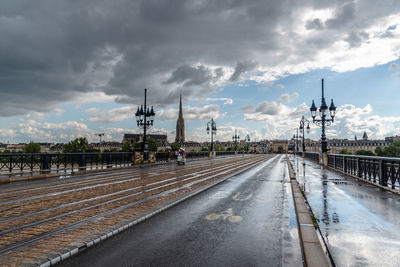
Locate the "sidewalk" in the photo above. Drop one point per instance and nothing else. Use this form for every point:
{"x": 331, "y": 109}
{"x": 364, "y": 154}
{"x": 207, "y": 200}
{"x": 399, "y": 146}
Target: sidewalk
{"x": 359, "y": 222}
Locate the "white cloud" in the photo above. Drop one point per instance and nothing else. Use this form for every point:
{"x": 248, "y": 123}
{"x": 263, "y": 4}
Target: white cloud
{"x": 92, "y": 110}
{"x": 228, "y": 101}
{"x": 32, "y": 130}
{"x": 113, "y": 115}
{"x": 191, "y": 113}
{"x": 59, "y": 111}
{"x": 285, "y": 98}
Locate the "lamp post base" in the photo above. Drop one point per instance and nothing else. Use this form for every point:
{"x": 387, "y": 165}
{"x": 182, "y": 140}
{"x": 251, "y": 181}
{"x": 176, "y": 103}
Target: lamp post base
{"x": 323, "y": 159}
{"x": 212, "y": 154}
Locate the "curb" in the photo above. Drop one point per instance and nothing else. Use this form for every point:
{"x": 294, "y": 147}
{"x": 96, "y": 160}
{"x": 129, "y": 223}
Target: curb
{"x": 76, "y": 247}
{"x": 311, "y": 248}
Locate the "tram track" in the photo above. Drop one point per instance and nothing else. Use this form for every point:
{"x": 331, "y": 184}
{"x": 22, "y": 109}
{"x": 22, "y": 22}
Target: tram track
{"x": 142, "y": 188}
{"x": 85, "y": 187}
{"x": 97, "y": 207}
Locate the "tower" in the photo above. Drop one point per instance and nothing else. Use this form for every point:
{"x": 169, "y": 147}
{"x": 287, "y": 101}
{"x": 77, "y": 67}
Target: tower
{"x": 365, "y": 136}
{"x": 180, "y": 125}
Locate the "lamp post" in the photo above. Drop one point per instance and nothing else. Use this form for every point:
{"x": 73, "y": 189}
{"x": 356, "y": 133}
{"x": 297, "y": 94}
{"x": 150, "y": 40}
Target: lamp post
{"x": 212, "y": 128}
{"x": 235, "y": 139}
{"x": 247, "y": 140}
{"x": 296, "y": 143}
{"x": 302, "y": 127}
{"x": 323, "y": 121}
{"x": 145, "y": 119}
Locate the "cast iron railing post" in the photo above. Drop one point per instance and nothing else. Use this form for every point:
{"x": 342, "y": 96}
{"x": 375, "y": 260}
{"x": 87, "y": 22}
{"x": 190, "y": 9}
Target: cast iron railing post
{"x": 82, "y": 162}
{"x": 359, "y": 171}
{"x": 382, "y": 173}
{"x": 334, "y": 161}
{"x": 45, "y": 163}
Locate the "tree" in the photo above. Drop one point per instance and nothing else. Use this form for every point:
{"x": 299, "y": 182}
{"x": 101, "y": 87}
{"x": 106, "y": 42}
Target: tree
{"x": 32, "y": 148}
{"x": 389, "y": 151}
{"x": 127, "y": 147}
{"x": 364, "y": 152}
{"x": 280, "y": 150}
{"x": 137, "y": 146}
{"x": 379, "y": 151}
{"x": 153, "y": 145}
{"x": 345, "y": 152}
{"x": 78, "y": 145}
{"x": 175, "y": 146}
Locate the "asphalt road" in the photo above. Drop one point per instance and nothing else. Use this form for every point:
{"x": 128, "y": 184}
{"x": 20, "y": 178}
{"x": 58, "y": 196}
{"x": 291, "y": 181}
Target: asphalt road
{"x": 359, "y": 222}
{"x": 248, "y": 220}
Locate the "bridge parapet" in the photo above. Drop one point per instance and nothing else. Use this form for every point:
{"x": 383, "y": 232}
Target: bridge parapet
{"x": 12, "y": 164}
{"x": 384, "y": 171}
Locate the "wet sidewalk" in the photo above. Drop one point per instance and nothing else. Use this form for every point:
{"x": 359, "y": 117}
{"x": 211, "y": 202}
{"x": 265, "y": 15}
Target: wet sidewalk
{"x": 359, "y": 222}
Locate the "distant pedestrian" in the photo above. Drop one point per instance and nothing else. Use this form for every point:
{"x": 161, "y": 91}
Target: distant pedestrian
{"x": 169, "y": 155}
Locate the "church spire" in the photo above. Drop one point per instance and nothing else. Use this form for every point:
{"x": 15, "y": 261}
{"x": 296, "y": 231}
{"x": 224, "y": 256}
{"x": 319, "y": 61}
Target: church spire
{"x": 180, "y": 106}
{"x": 180, "y": 125}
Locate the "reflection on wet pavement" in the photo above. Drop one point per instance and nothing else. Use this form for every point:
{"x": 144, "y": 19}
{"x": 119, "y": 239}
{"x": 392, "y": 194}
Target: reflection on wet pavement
{"x": 360, "y": 222}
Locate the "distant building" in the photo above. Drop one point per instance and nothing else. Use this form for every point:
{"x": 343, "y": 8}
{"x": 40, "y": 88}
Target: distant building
{"x": 180, "y": 125}
{"x": 192, "y": 146}
{"x": 3, "y": 147}
{"x": 57, "y": 148}
{"x": 45, "y": 147}
{"x": 275, "y": 144}
{"x": 133, "y": 138}
{"x": 365, "y": 136}
{"x": 16, "y": 147}
{"x": 335, "y": 146}
{"x": 392, "y": 138}
{"x": 107, "y": 146}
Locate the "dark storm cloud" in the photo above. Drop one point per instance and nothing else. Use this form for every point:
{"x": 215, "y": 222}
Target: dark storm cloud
{"x": 343, "y": 16}
{"x": 315, "y": 24}
{"x": 190, "y": 75}
{"x": 52, "y": 51}
{"x": 355, "y": 39}
{"x": 241, "y": 67}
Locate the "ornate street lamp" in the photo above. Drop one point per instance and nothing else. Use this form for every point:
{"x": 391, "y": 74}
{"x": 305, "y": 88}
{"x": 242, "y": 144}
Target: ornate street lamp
{"x": 145, "y": 119}
{"x": 235, "y": 139}
{"x": 212, "y": 128}
{"x": 295, "y": 140}
{"x": 302, "y": 127}
{"x": 247, "y": 140}
{"x": 323, "y": 121}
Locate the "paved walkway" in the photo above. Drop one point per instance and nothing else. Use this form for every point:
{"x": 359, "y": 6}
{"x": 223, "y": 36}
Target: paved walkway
{"x": 248, "y": 220}
{"x": 360, "y": 222}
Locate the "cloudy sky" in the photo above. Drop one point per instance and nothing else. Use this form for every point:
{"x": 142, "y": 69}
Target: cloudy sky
{"x": 75, "y": 68}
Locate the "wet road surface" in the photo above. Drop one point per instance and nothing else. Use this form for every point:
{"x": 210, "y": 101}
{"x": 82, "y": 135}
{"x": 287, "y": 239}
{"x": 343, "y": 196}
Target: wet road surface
{"x": 360, "y": 222}
{"x": 248, "y": 220}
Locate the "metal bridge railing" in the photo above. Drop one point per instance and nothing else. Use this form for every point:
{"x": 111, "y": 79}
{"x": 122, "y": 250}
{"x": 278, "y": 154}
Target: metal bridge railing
{"x": 382, "y": 170}
{"x": 312, "y": 156}
{"x": 30, "y": 163}
{"x": 18, "y": 163}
